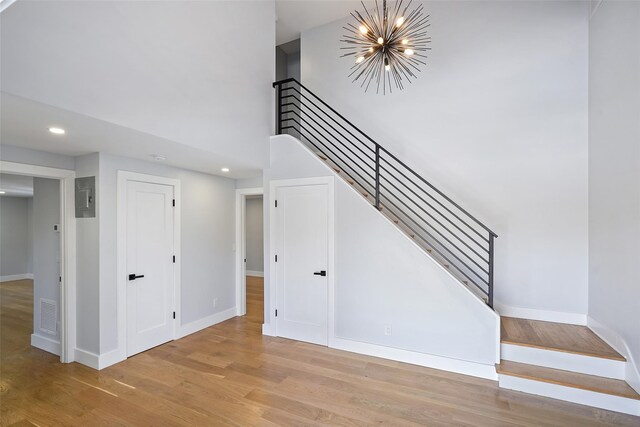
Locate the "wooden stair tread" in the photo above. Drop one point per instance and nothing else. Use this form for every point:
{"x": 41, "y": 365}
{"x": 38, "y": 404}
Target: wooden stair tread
{"x": 568, "y": 379}
{"x": 562, "y": 337}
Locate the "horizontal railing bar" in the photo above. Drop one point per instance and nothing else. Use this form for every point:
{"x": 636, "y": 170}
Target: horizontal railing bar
{"x": 281, "y": 82}
{"x": 332, "y": 152}
{"x": 439, "y": 213}
{"x": 436, "y": 240}
{"x": 370, "y": 174}
{"x": 434, "y": 199}
{"x": 329, "y": 124}
{"x": 437, "y": 231}
{"x": 430, "y": 244}
{"x": 334, "y": 120}
{"x": 477, "y": 221}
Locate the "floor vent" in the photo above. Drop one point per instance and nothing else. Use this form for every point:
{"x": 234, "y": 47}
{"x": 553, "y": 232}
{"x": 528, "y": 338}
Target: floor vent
{"x": 48, "y": 316}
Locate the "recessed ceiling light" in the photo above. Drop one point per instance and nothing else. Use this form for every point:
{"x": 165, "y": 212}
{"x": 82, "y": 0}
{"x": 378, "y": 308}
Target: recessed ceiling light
{"x": 225, "y": 169}
{"x": 158, "y": 157}
{"x": 57, "y": 131}
{"x": 2, "y": 192}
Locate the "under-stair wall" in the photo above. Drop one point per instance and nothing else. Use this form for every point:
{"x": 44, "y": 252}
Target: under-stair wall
{"x": 382, "y": 278}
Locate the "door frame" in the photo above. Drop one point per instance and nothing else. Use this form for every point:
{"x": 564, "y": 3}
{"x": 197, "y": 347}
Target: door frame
{"x": 67, "y": 248}
{"x": 241, "y": 244}
{"x": 331, "y": 269}
{"x": 121, "y": 239}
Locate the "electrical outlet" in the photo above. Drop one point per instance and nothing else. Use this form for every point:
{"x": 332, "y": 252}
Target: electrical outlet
{"x": 215, "y": 302}
{"x": 387, "y": 330}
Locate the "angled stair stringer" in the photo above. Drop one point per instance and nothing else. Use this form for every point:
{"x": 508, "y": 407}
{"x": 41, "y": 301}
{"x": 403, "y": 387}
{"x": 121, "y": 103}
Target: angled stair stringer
{"x": 384, "y": 280}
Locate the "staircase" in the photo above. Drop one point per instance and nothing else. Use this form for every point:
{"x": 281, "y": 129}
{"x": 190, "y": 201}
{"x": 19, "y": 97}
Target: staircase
{"x": 568, "y": 362}
{"x": 441, "y": 227}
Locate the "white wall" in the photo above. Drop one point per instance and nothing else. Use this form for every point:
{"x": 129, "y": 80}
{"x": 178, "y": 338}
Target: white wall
{"x": 14, "y": 236}
{"x": 498, "y": 121}
{"x": 207, "y": 242}
{"x": 30, "y": 234}
{"x": 254, "y": 235}
{"x": 614, "y": 172}
{"x": 88, "y": 264}
{"x": 382, "y": 278}
{"x": 46, "y": 249}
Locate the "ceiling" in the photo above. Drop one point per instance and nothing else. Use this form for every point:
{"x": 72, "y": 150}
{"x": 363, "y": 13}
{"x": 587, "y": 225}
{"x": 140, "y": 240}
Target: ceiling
{"x": 139, "y": 78}
{"x": 136, "y": 78}
{"x": 294, "y": 17}
{"x": 16, "y": 185}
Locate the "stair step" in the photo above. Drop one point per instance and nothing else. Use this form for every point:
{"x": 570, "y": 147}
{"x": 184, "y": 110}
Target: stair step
{"x": 575, "y": 339}
{"x": 568, "y": 379}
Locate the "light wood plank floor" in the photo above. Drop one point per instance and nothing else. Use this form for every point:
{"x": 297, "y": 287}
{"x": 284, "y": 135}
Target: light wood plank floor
{"x": 556, "y": 336}
{"x": 230, "y": 374}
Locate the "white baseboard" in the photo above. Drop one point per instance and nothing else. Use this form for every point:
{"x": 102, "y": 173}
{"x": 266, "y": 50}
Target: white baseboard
{"x": 571, "y": 394}
{"x": 13, "y": 277}
{"x": 421, "y": 359}
{"x": 268, "y": 330}
{"x": 47, "y": 344}
{"x": 87, "y": 358}
{"x": 255, "y": 273}
{"x": 211, "y": 320}
{"x": 564, "y": 361}
{"x": 632, "y": 374}
{"x": 535, "y": 314}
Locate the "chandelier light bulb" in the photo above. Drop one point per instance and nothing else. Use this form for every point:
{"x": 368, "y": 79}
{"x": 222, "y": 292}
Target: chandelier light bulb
{"x": 405, "y": 41}
{"x": 408, "y": 52}
{"x": 371, "y": 49}
{"x": 400, "y": 21}
{"x": 380, "y": 40}
{"x": 363, "y": 29}
{"x": 387, "y": 67}
{"x": 359, "y": 59}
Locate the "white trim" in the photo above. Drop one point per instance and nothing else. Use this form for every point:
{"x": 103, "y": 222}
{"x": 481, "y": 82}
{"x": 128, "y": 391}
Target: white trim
{"x": 67, "y": 249}
{"x": 47, "y": 344}
{"x": 415, "y": 358}
{"x": 87, "y": 358}
{"x": 206, "y": 322}
{"x": 14, "y": 277}
{"x": 544, "y": 315}
{"x": 632, "y": 376}
{"x": 329, "y": 181}
{"x": 571, "y": 394}
{"x": 268, "y": 330}
{"x": 255, "y": 273}
{"x": 241, "y": 289}
{"x": 121, "y": 239}
{"x": 564, "y": 361}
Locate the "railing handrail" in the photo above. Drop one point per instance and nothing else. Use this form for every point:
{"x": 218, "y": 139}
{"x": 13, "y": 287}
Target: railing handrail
{"x": 380, "y": 147}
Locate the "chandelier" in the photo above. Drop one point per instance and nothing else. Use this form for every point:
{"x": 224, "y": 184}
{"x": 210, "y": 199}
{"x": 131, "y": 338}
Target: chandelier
{"x": 388, "y": 44}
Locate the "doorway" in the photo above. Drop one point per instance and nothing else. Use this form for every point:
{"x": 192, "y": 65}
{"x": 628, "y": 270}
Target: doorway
{"x": 250, "y": 254}
{"x": 148, "y": 261}
{"x": 38, "y": 260}
{"x": 302, "y": 269}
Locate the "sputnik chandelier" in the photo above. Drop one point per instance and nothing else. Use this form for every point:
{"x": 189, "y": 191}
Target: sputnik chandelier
{"x": 388, "y": 44}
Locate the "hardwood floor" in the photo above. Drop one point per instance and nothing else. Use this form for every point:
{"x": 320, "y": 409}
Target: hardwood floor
{"x": 556, "y": 336}
{"x": 230, "y": 374}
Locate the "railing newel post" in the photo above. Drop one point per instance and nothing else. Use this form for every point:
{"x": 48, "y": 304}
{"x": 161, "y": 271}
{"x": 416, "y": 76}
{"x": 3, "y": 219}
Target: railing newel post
{"x": 279, "y": 110}
{"x": 377, "y": 176}
{"x": 491, "y": 242}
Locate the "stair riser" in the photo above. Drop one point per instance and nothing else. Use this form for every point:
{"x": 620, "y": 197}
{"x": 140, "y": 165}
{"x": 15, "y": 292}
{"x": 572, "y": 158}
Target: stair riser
{"x": 564, "y": 361}
{"x": 571, "y": 394}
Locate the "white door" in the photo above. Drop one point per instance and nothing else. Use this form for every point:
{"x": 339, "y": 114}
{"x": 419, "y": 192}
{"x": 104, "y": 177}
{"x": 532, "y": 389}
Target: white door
{"x": 150, "y": 284}
{"x": 302, "y": 249}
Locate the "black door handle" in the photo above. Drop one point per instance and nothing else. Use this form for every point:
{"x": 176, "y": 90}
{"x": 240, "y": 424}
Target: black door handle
{"x": 134, "y": 277}
{"x": 320, "y": 273}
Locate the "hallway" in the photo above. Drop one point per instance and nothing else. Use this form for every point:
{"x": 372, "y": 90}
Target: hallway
{"x": 230, "y": 374}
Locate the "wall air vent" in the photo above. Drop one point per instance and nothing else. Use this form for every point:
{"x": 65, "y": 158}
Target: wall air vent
{"x": 48, "y": 316}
